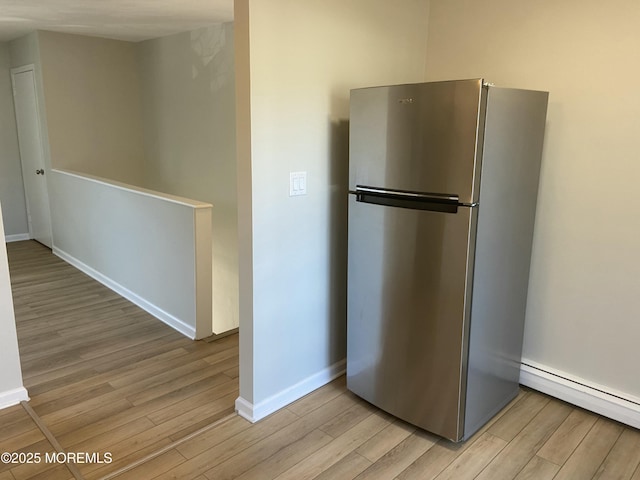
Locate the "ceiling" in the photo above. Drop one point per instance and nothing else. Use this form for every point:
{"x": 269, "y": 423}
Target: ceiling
{"x": 130, "y": 20}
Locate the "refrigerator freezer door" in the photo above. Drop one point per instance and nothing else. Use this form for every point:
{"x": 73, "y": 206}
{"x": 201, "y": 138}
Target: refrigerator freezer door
{"x": 407, "y": 311}
{"x": 418, "y": 137}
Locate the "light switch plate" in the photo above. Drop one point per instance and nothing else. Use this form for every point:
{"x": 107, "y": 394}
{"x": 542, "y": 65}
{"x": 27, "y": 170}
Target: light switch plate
{"x": 297, "y": 183}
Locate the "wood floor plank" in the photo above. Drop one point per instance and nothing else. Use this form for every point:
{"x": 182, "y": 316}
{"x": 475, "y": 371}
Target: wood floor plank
{"x": 347, "y": 468}
{"x": 538, "y": 469}
{"x": 97, "y": 471}
{"x": 233, "y": 372}
{"x": 268, "y": 449}
{"x": 22, "y": 442}
{"x": 596, "y": 445}
{"x": 429, "y": 465}
{"x": 100, "y": 421}
{"x": 522, "y": 412}
{"x": 151, "y": 435}
{"x": 623, "y": 459}
{"x": 128, "y": 360}
{"x": 326, "y": 456}
{"x": 517, "y": 453}
{"x": 71, "y": 399}
{"x": 347, "y": 418}
{"x": 154, "y": 467}
{"x": 86, "y": 425}
{"x": 568, "y": 436}
{"x": 474, "y": 459}
{"x": 213, "y": 438}
{"x": 54, "y": 472}
{"x": 230, "y": 439}
{"x": 216, "y": 415}
{"x": 159, "y": 372}
{"x": 196, "y": 373}
{"x": 323, "y": 394}
{"x": 87, "y": 378}
{"x": 216, "y": 388}
{"x": 14, "y": 421}
{"x": 274, "y": 463}
{"x": 385, "y": 440}
{"x": 101, "y": 443}
{"x": 78, "y": 410}
{"x": 398, "y": 458}
{"x": 153, "y": 350}
{"x": 223, "y": 355}
{"x": 13, "y": 414}
{"x": 22, "y": 471}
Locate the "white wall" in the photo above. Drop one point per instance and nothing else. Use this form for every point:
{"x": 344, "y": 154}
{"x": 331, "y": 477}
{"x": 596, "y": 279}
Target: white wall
{"x": 584, "y": 295}
{"x": 188, "y": 111}
{"x": 11, "y": 185}
{"x": 92, "y": 105}
{"x": 153, "y": 249}
{"x": 11, "y": 388}
{"x": 293, "y": 99}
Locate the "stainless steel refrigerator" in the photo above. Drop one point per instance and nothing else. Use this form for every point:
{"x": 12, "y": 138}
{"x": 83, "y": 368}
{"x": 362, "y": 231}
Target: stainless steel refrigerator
{"x": 443, "y": 182}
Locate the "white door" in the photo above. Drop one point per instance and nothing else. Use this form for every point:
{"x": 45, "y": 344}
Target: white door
{"x": 31, "y": 153}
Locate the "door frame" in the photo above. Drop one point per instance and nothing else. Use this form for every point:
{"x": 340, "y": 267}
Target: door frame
{"x": 47, "y": 170}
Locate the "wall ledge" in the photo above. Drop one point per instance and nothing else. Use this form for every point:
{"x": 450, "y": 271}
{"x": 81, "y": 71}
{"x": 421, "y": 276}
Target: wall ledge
{"x": 18, "y": 237}
{"x": 602, "y": 400}
{"x": 147, "y": 306}
{"x": 187, "y": 202}
{"x": 257, "y": 412}
{"x": 13, "y": 397}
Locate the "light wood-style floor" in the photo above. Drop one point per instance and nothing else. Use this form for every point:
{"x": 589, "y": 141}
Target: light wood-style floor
{"x": 129, "y": 395}
{"x": 102, "y": 374}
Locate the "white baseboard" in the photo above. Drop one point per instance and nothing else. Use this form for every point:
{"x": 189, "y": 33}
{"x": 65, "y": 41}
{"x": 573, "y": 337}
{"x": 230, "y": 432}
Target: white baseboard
{"x": 149, "y": 307}
{"x": 18, "y": 237}
{"x": 602, "y": 400}
{"x": 253, "y": 413}
{"x": 13, "y": 397}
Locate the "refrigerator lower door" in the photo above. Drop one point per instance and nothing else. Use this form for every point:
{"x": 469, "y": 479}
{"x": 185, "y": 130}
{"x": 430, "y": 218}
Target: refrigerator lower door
{"x": 408, "y": 310}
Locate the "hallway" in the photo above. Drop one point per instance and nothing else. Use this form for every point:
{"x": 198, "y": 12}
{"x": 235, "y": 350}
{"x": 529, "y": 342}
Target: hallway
{"x": 102, "y": 374}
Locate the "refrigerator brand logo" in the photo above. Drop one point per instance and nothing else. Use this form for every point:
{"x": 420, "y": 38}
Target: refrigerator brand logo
{"x": 405, "y": 101}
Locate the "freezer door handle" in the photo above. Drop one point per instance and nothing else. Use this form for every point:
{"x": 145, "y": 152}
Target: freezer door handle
{"x": 436, "y": 202}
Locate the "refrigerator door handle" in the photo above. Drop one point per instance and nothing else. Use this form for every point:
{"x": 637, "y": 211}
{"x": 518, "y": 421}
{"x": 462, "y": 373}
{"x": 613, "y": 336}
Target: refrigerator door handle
{"x": 437, "y": 202}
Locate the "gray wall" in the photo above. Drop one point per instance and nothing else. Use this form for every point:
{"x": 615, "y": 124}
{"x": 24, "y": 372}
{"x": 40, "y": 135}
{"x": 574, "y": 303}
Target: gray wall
{"x": 92, "y": 97}
{"x": 11, "y": 186}
{"x": 188, "y": 111}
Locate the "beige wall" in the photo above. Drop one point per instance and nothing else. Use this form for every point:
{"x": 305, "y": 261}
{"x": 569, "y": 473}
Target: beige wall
{"x": 11, "y": 187}
{"x": 293, "y": 85}
{"x": 188, "y": 111}
{"x": 92, "y": 103}
{"x": 584, "y": 299}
